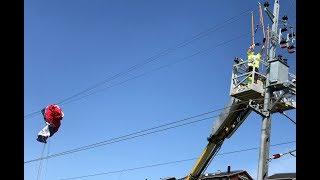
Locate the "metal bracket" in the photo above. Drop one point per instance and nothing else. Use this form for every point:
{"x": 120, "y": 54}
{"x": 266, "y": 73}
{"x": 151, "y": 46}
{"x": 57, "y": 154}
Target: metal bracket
{"x": 274, "y": 38}
{"x": 269, "y": 13}
{"x": 291, "y": 89}
{"x": 255, "y": 107}
{"x": 239, "y": 120}
{"x": 279, "y": 99}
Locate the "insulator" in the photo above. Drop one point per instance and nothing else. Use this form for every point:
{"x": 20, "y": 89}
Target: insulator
{"x": 276, "y": 156}
{"x": 285, "y": 18}
{"x": 291, "y": 49}
{"x": 284, "y": 29}
{"x": 283, "y": 43}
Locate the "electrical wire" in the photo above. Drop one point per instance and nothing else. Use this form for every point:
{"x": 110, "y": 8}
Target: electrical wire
{"x": 118, "y": 139}
{"x": 164, "y": 52}
{"x": 290, "y": 152}
{"x": 136, "y": 133}
{"x": 151, "y": 59}
{"x": 277, "y": 156}
{"x": 159, "y": 68}
{"x": 171, "y": 162}
{"x": 288, "y": 118}
{"x": 293, "y": 7}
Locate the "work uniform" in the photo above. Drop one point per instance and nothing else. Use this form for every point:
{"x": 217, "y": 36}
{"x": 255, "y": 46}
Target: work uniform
{"x": 253, "y": 64}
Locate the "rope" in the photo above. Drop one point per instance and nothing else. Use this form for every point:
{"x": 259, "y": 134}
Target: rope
{"x": 40, "y": 163}
{"x": 48, "y": 150}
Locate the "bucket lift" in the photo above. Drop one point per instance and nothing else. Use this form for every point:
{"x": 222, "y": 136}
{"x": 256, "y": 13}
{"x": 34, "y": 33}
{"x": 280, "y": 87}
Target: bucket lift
{"x": 240, "y": 89}
{"x": 282, "y": 83}
{"x": 243, "y": 101}
{"x": 245, "y": 98}
{"x": 240, "y": 86}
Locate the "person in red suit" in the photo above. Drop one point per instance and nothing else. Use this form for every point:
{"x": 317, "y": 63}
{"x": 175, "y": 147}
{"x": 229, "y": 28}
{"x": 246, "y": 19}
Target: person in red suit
{"x": 52, "y": 115}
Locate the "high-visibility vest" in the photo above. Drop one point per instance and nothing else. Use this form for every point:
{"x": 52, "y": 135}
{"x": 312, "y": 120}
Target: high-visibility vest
{"x": 250, "y": 58}
{"x": 254, "y": 60}
{"x": 257, "y": 59}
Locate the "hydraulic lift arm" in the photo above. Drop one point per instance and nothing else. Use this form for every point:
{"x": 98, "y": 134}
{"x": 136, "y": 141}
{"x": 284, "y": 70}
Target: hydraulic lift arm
{"x": 225, "y": 125}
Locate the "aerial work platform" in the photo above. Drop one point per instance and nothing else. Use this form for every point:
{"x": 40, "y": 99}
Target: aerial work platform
{"x": 281, "y": 82}
{"x": 240, "y": 86}
{"x": 259, "y": 86}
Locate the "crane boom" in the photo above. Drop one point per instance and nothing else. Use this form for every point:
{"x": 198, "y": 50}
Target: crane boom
{"x": 225, "y": 125}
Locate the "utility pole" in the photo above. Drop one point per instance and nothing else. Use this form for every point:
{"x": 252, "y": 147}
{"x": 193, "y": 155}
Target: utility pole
{"x": 266, "y": 122}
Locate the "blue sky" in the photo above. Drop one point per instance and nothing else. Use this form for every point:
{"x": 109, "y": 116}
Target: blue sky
{"x": 71, "y": 45}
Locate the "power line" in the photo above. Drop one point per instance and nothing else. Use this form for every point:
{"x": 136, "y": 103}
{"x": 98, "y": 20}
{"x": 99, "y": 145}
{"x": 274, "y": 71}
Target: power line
{"x": 33, "y": 114}
{"x": 172, "y": 162}
{"x": 161, "y": 67}
{"x": 162, "y": 53}
{"x": 139, "y": 133}
{"x": 153, "y": 58}
{"x": 277, "y": 156}
{"x": 119, "y": 139}
{"x": 148, "y": 72}
{"x": 115, "y": 141}
{"x": 291, "y": 153}
{"x": 288, "y": 118}
{"x": 293, "y": 5}
{"x": 143, "y": 74}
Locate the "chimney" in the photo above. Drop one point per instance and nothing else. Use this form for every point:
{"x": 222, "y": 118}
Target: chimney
{"x": 229, "y": 168}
